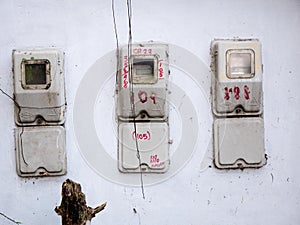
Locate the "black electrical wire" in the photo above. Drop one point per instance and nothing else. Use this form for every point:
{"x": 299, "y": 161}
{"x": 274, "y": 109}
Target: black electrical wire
{"x": 116, "y": 36}
{"x": 22, "y": 131}
{"x": 129, "y": 53}
{"x": 129, "y": 48}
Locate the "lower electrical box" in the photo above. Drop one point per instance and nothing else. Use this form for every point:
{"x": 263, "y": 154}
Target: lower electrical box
{"x": 41, "y": 151}
{"x": 152, "y": 143}
{"x": 239, "y": 143}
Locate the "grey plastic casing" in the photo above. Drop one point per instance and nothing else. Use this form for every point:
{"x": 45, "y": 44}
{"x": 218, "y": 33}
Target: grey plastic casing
{"x": 40, "y": 113}
{"x": 151, "y": 111}
{"x": 44, "y": 103}
{"x": 237, "y": 104}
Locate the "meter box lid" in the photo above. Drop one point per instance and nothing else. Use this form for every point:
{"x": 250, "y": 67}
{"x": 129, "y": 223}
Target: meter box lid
{"x": 146, "y": 85}
{"x": 153, "y": 146}
{"x": 239, "y": 142}
{"x": 41, "y": 151}
{"x": 39, "y": 87}
{"x": 237, "y": 79}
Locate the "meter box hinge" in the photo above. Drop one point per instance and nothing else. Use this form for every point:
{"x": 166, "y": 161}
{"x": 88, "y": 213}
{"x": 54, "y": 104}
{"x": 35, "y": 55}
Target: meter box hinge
{"x": 39, "y": 91}
{"x": 237, "y": 103}
{"x": 142, "y": 108}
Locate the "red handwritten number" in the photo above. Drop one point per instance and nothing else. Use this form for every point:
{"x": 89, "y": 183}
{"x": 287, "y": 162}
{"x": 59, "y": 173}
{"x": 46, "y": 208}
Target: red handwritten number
{"x": 226, "y": 97}
{"x": 246, "y": 92}
{"x": 161, "y": 70}
{"x": 125, "y": 71}
{"x": 153, "y": 98}
{"x": 236, "y": 93}
{"x": 154, "y": 159}
{"x": 143, "y": 96}
{"x": 125, "y": 84}
{"x": 142, "y": 136}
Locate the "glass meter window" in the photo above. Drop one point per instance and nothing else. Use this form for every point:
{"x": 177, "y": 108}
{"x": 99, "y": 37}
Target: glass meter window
{"x": 35, "y": 74}
{"x": 144, "y": 69}
{"x": 240, "y": 63}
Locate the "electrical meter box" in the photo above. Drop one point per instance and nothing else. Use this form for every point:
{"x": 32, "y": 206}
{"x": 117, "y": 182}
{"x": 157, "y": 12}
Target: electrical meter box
{"x": 153, "y": 146}
{"x": 40, "y": 106}
{"x": 39, "y": 87}
{"x": 146, "y": 86}
{"x": 239, "y": 142}
{"x": 237, "y": 103}
{"x": 237, "y": 84}
{"x": 41, "y": 151}
{"x": 142, "y": 108}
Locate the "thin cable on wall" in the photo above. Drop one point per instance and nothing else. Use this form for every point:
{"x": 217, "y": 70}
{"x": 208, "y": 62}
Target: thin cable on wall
{"x": 22, "y": 131}
{"x": 117, "y": 38}
{"x": 129, "y": 48}
{"x": 132, "y": 103}
{"x": 19, "y": 118}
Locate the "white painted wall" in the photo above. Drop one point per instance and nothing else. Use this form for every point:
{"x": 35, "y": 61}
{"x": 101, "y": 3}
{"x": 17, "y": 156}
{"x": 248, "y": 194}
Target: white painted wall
{"x": 195, "y": 195}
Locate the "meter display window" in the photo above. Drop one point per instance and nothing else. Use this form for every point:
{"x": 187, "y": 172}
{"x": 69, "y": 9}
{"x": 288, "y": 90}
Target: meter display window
{"x": 240, "y": 63}
{"x": 144, "y": 70}
{"x": 36, "y": 74}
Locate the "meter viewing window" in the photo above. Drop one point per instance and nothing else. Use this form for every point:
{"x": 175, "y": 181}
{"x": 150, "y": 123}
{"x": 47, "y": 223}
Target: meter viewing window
{"x": 35, "y": 74}
{"x": 144, "y": 69}
{"x": 240, "y": 63}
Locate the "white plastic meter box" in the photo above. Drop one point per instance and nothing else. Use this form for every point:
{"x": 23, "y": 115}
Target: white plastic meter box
{"x": 142, "y": 108}
{"x": 237, "y": 103}
{"x": 39, "y": 92}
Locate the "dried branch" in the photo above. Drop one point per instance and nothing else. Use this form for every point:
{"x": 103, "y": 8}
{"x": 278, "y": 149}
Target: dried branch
{"x": 73, "y": 208}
